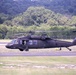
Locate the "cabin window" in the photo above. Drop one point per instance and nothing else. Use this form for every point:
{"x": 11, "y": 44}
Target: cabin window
{"x": 23, "y": 42}
{"x": 30, "y": 42}
{"x": 33, "y": 42}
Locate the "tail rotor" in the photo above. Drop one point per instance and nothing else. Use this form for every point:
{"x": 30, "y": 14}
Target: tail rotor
{"x": 74, "y": 42}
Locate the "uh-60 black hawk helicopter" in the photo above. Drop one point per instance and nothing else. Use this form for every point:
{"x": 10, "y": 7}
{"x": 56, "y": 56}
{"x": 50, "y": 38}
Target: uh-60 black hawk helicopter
{"x": 37, "y": 42}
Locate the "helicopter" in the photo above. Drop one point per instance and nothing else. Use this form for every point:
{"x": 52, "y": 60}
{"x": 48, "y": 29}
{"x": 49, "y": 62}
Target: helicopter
{"x": 38, "y": 42}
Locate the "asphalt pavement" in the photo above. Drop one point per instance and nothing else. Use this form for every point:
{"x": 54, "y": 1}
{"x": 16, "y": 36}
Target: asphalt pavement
{"x": 42, "y": 53}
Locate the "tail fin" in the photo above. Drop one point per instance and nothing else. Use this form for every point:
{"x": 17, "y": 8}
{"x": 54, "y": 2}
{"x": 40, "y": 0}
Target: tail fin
{"x": 74, "y": 42}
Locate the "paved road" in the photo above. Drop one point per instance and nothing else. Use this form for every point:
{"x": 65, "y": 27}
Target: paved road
{"x": 3, "y": 43}
{"x": 58, "y": 53}
{"x": 38, "y": 53}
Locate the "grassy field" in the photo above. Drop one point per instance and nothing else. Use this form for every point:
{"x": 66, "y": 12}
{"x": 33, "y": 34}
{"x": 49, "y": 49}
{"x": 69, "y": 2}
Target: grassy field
{"x": 37, "y": 65}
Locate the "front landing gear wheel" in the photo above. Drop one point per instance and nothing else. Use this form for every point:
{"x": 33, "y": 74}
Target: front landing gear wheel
{"x": 21, "y": 49}
{"x": 26, "y": 49}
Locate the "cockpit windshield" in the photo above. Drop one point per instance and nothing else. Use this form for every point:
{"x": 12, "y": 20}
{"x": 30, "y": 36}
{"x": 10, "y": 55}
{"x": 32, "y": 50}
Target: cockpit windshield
{"x": 15, "y": 41}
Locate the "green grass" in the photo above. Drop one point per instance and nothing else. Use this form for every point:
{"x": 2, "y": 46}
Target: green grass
{"x": 38, "y": 65}
{"x": 29, "y": 71}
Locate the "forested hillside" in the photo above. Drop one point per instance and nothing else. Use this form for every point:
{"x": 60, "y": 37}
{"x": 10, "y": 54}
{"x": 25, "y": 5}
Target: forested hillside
{"x": 14, "y": 7}
{"x": 27, "y": 15}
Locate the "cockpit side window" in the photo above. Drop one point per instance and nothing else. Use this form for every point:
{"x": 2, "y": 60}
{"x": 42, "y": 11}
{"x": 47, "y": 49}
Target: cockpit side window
{"x": 15, "y": 41}
{"x": 20, "y": 41}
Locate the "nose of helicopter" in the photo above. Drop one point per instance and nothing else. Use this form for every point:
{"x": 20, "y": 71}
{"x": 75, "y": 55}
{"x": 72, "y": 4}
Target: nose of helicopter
{"x": 8, "y": 46}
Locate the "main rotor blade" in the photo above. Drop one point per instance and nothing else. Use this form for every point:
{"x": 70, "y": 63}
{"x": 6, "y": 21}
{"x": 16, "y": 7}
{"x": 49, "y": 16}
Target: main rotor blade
{"x": 74, "y": 31}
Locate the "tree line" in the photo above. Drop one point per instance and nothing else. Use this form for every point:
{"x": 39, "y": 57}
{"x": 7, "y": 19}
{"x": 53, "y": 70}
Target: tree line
{"x": 14, "y": 7}
{"x": 58, "y": 32}
{"x": 42, "y": 19}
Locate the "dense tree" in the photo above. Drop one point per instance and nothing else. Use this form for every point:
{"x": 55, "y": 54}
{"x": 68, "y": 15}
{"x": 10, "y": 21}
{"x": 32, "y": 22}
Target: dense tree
{"x": 3, "y": 31}
{"x": 4, "y": 17}
{"x": 14, "y": 7}
{"x": 40, "y": 15}
{"x": 26, "y": 15}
